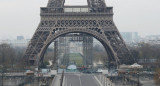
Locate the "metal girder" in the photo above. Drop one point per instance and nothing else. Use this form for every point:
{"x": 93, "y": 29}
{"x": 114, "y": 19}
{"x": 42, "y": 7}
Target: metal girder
{"x": 87, "y": 50}
{"x": 96, "y": 3}
{"x": 55, "y": 58}
{"x": 56, "y": 3}
{"x": 91, "y": 3}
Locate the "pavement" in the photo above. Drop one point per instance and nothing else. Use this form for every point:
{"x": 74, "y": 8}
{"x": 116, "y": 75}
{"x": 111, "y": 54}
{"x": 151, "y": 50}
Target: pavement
{"x": 56, "y": 80}
{"x": 148, "y": 83}
{"x": 80, "y": 80}
{"x": 11, "y": 81}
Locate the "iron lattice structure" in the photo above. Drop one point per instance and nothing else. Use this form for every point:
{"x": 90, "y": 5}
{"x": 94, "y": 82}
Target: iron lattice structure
{"x": 95, "y": 19}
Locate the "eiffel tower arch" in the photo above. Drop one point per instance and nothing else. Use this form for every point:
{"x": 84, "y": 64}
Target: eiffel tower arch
{"x": 95, "y": 19}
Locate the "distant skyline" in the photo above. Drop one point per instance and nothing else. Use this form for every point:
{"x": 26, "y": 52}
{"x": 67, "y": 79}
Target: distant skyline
{"x": 21, "y": 17}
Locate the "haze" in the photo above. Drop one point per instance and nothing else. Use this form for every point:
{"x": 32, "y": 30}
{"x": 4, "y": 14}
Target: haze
{"x": 21, "y": 17}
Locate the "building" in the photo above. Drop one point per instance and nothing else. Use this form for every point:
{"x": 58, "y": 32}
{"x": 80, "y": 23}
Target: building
{"x": 149, "y": 63}
{"x": 130, "y": 37}
{"x": 19, "y": 43}
{"x": 152, "y": 39}
{"x": 20, "y": 37}
{"x": 16, "y": 43}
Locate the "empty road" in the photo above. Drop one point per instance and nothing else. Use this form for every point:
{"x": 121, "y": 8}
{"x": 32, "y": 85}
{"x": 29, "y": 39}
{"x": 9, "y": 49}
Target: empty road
{"x": 79, "y": 80}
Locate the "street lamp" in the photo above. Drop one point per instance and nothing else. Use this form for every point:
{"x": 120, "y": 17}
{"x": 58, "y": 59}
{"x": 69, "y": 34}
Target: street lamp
{"x": 137, "y": 67}
{"x": 38, "y": 69}
{"x": 2, "y": 66}
{"x": 2, "y": 75}
{"x": 138, "y": 76}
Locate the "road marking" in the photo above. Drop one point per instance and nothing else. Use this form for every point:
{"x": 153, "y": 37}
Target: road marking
{"x": 66, "y": 82}
{"x": 80, "y": 80}
{"x": 98, "y": 80}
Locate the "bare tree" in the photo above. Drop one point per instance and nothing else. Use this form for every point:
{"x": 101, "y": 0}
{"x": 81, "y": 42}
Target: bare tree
{"x": 6, "y": 55}
{"x": 10, "y": 58}
{"x": 100, "y": 54}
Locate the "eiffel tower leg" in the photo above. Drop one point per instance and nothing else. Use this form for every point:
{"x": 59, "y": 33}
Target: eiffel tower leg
{"x": 119, "y": 47}
{"x": 35, "y": 46}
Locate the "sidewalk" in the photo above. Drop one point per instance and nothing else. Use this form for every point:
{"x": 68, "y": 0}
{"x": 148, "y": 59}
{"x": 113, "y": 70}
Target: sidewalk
{"x": 56, "y": 80}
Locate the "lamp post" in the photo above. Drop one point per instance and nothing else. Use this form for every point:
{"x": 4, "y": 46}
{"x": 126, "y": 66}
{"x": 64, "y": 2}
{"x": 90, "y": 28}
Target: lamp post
{"x": 2, "y": 75}
{"x": 38, "y": 69}
{"x": 2, "y": 68}
{"x": 138, "y": 76}
{"x": 136, "y": 67}
{"x": 137, "y": 72}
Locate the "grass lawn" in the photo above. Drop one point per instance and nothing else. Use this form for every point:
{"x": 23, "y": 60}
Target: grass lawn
{"x": 77, "y": 58}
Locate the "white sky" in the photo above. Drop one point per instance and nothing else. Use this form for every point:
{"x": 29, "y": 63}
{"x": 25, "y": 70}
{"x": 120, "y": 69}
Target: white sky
{"x": 21, "y": 17}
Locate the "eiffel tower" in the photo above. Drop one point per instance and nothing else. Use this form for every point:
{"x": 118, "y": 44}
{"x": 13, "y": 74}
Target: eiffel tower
{"x": 94, "y": 19}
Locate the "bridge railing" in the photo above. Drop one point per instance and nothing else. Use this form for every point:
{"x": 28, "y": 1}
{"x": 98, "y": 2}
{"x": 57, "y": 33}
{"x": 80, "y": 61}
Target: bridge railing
{"x": 61, "y": 82}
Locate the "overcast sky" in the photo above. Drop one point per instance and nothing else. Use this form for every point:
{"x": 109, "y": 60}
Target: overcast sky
{"x": 21, "y": 17}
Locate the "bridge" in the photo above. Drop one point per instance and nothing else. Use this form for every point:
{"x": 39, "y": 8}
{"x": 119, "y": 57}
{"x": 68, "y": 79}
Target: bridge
{"x": 75, "y": 79}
